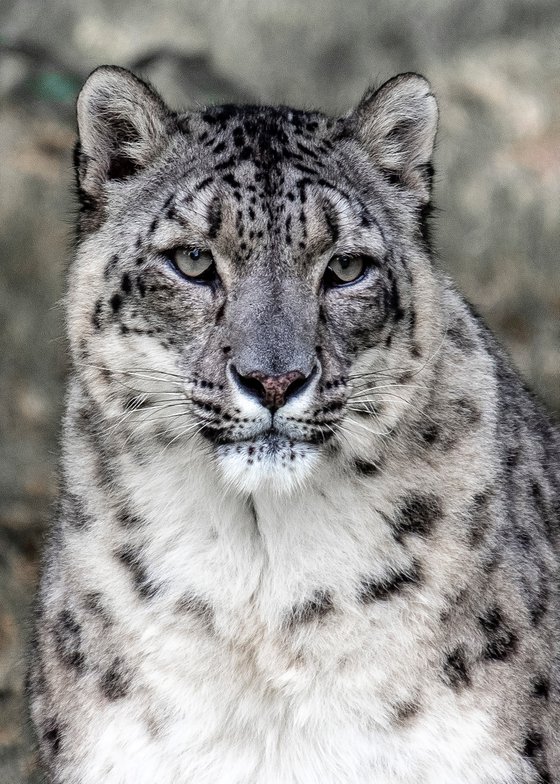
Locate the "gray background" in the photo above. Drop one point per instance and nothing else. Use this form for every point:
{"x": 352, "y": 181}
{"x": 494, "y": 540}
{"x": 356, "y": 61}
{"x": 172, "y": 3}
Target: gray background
{"x": 495, "y": 66}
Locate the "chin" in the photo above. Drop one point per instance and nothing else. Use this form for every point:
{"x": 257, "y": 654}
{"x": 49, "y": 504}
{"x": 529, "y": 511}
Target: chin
{"x": 274, "y": 463}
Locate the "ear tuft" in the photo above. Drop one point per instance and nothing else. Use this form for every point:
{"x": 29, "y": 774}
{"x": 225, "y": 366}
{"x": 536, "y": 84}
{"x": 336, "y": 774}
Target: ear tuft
{"x": 397, "y": 125}
{"x": 123, "y": 126}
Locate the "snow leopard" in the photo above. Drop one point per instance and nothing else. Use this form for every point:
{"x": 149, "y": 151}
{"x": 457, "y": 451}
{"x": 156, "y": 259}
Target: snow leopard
{"x": 308, "y": 527}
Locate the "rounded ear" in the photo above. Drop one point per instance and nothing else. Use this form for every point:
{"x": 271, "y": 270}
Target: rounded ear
{"x": 397, "y": 125}
{"x": 123, "y": 125}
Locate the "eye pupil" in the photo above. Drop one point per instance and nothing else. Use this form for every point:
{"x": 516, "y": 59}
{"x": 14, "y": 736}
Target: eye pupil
{"x": 195, "y": 254}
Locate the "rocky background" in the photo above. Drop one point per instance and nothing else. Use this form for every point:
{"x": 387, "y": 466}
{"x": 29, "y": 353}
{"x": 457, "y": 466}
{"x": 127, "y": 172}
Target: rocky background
{"x": 495, "y": 66}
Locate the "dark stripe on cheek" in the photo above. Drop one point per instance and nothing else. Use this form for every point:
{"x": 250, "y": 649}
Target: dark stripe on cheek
{"x": 331, "y": 220}
{"x": 214, "y": 217}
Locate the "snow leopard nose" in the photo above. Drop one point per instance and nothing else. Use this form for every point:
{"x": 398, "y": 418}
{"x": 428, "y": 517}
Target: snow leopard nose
{"x": 272, "y": 391}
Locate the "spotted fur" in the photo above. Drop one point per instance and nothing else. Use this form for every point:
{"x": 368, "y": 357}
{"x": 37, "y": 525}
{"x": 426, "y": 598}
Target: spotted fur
{"x": 355, "y": 585}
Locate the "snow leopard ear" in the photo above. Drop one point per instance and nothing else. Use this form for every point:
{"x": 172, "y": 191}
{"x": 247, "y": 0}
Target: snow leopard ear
{"x": 397, "y": 124}
{"x": 123, "y": 125}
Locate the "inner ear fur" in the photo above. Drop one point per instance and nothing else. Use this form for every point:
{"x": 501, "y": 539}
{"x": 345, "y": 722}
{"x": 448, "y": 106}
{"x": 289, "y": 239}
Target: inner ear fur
{"x": 123, "y": 126}
{"x": 397, "y": 124}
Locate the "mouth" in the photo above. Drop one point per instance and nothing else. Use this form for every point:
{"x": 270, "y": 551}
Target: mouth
{"x": 269, "y": 459}
{"x": 270, "y": 441}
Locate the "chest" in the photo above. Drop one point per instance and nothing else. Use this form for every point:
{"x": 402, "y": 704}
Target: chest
{"x": 265, "y": 710}
{"x": 343, "y": 698}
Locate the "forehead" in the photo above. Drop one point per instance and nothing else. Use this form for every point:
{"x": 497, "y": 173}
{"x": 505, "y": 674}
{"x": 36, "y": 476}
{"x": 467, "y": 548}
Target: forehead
{"x": 269, "y": 136}
{"x": 268, "y": 150}
{"x": 250, "y": 178}
{"x": 271, "y": 151}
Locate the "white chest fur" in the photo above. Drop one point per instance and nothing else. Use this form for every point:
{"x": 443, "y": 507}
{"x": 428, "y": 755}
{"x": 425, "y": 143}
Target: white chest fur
{"x": 289, "y": 679}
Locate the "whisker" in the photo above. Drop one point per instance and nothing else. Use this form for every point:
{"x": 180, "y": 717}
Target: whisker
{"x": 368, "y": 429}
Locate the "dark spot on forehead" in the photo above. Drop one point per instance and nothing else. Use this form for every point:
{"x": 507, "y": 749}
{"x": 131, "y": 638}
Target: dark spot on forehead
{"x": 126, "y": 284}
{"x": 115, "y": 302}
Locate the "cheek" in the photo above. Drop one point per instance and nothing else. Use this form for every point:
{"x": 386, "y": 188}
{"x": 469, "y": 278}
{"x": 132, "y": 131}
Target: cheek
{"x": 356, "y": 321}
{"x": 183, "y": 312}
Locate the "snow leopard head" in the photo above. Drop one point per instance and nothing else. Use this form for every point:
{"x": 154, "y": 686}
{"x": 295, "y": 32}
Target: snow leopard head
{"x": 246, "y": 275}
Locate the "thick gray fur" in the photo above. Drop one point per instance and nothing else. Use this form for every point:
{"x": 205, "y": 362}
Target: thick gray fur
{"x": 359, "y": 586}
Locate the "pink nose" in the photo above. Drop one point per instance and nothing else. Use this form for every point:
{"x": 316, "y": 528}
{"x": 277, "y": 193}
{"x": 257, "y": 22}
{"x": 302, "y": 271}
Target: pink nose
{"x": 272, "y": 391}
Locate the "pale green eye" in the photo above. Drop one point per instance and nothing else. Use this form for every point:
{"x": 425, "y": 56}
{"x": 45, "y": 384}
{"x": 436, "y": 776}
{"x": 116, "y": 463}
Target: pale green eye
{"x": 344, "y": 269}
{"x": 193, "y": 262}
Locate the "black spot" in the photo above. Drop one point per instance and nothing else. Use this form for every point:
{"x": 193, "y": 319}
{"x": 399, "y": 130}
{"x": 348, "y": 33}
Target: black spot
{"x": 455, "y": 669}
{"x": 331, "y": 220}
{"x": 121, "y": 167}
{"x": 131, "y": 559}
{"x": 406, "y": 711}
{"x": 501, "y": 640}
{"x": 417, "y": 513}
{"x": 392, "y": 298}
{"x": 141, "y": 286}
{"x": 126, "y": 284}
{"x": 113, "y": 261}
{"x": 153, "y": 226}
{"x": 203, "y": 183}
{"x": 115, "y": 302}
{"x": 92, "y": 603}
{"x": 96, "y": 316}
{"x": 533, "y": 744}
{"x": 52, "y": 736}
{"x": 227, "y": 164}
{"x": 67, "y": 637}
{"x": 127, "y": 519}
{"x": 458, "y": 333}
{"x": 538, "y": 599}
{"x": 541, "y": 687}
{"x": 230, "y": 180}
{"x": 479, "y": 516}
{"x": 373, "y": 590}
{"x": 430, "y": 433}
{"x": 317, "y": 607}
{"x": 534, "y": 750}
{"x": 214, "y": 217}
{"x": 366, "y": 468}
{"x": 115, "y": 682}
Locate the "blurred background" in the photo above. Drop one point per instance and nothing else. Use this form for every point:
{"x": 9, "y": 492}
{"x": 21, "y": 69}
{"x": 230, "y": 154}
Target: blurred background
{"x": 495, "y": 66}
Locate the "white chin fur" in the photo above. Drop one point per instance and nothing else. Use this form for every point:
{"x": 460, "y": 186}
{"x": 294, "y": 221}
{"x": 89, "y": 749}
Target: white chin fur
{"x": 281, "y": 466}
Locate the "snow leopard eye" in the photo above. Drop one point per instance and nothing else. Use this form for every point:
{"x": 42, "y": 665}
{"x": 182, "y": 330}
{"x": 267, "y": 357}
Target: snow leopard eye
{"x": 193, "y": 263}
{"x": 344, "y": 269}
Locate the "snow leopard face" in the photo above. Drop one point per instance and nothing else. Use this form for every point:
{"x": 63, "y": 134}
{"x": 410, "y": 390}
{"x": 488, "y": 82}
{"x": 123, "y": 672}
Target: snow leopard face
{"x": 245, "y": 274}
